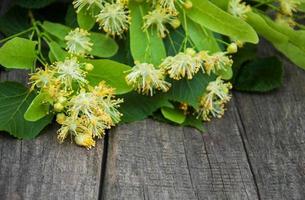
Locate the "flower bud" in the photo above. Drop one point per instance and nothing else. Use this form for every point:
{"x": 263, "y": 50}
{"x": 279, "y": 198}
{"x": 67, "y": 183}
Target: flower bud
{"x": 58, "y": 107}
{"x": 232, "y": 48}
{"x": 60, "y": 118}
{"x": 62, "y": 100}
{"x": 84, "y": 140}
{"x": 89, "y": 67}
{"x": 188, "y": 4}
{"x": 190, "y": 51}
{"x": 176, "y": 23}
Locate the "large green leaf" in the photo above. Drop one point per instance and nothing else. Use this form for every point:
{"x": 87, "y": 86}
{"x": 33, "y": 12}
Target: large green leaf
{"x": 55, "y": 29}
{"x": 14, "y": 21}
{"x": 189, "y": 91}
{"x": 137, "y": 107}
{"x": 58, "y": 53}
{"x": 146, "y": 46}
{"x": 202, "y": 37}
{"x": 14, "y": 101}
{"x": 103, "y": 46}
{"x": 260, "y": 25}
{"x": 280, "y": 41}
{"x": 85, "y": 19}
{"x": 173, "y": 115}
{"x": 39, "y": 107}
{"x": 110, "y": 71}
{"x": 260, "y": 75}
{"x": 18, "y": 53}
{"x": 210, "y": 16}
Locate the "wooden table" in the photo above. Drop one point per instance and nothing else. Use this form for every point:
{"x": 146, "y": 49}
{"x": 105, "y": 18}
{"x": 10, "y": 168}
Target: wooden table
{"x": 257, "y": 151}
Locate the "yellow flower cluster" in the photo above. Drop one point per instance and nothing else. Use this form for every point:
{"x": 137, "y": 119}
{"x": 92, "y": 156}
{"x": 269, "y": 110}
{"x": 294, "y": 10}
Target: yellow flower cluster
{"x": 145, "y": 78}
{"x": 78, "y": 42}
{"x": 238, "y": 8}
{"x": 286, "y": 14}
{"x": 213, "y": 101}
{"x": 83, "y": 111}
{"x": 114, "y": 19}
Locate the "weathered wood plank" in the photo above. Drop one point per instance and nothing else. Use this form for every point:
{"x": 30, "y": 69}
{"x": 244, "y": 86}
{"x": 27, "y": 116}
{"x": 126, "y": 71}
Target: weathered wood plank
{"x": 152, "y": 160}
{"x": 274, "y": 135}
{"x": 44, "y": 169}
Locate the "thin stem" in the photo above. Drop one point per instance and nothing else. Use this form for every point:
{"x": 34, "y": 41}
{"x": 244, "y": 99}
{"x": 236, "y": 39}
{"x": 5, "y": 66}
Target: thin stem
{"x": 17, "y": 34}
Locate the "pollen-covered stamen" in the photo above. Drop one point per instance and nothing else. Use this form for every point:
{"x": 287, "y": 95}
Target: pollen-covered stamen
{"x": 42, "y": 77}
{"x": 182, "y": 65}
{"x": 238, "y": 8}
{"x": 80, "y": 4}
{"x": 168, "y": 6}
{"x": 114, "y": 18}
{"x": 145, "y": 78}
{"x": 215, "y": 62}
{"x": 158, "y": 19}
{"x": 69, "y": 72}
{"x": 78, "y": 42}
{"x": 213, "y": 101}
{"x": 288, "y": 7}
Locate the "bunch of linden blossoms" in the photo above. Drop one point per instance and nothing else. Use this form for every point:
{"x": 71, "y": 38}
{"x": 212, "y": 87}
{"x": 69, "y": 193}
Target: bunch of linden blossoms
{"x": 83, "y": 111}
{"x": 146, "y": 79}
{"x": 287, "y": 9}
{"x": 114, "y": 18}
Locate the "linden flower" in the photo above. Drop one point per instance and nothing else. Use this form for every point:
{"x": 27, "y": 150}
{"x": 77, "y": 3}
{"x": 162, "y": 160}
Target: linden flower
{"x": 69, "y": 71}
{"x": 144, "y": 78}
{"x": 42, "y": 78}
{"x": 285, "y": 20}
{"x": 84, "y": 140}
{"x": 212, "y": 103}
{"x": 183, "y": 64}
{"x": 158, "y": 18}
{"x": 168, "y": 6}
{"x": 80, "y": 4}
{"x": 114, "y": 19}
{"x": 238, "y": 8}
{"x": 289, "y": 6}
{"x": 78, "y": 42}
{"x": 217, "y": 61}
{"x": 88, "y": 114}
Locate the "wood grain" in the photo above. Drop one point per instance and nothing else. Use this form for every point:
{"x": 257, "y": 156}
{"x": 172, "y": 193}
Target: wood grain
{"x": 274, "y": 135}
{"x": 44, "y": 169}
{"x": 152, "y": 160}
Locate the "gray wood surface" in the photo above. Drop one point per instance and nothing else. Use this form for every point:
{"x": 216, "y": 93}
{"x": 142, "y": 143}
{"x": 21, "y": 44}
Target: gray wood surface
{"x": 44, "y": 169}
{"x": 152, "y": 160}
{"x": 274, "y": 134}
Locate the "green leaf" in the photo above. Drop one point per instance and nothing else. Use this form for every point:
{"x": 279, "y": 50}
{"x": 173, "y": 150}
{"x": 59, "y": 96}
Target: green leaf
{"x": 39, "y": 108}
{"x": 173, "y": 115}
{"x": 260, "y": 75}
{"x": 55, "y": 29}
{"x": 71, "y": 17}
{"x": 262, "y": 28}
{"x": 14, "y": 21}
{"x": 18, "y": 53}
{"x": 85, "y": 19}
{"x": 34, "y": 3}
{"x": 110, "y": 71}
{"x": 14, "y": 101}
{"x": 146, "y": 46}
{"x": 202, "y": 37}
{"x": 138, "y": 107}
{"x": 189, "y": 91}
{"x": 58, "y": 53}
{"x": 280, "y": 41}
{"x": 210, "y": 16}
{"x": 192, "y": 121}
{"x": 103, "y": 46}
